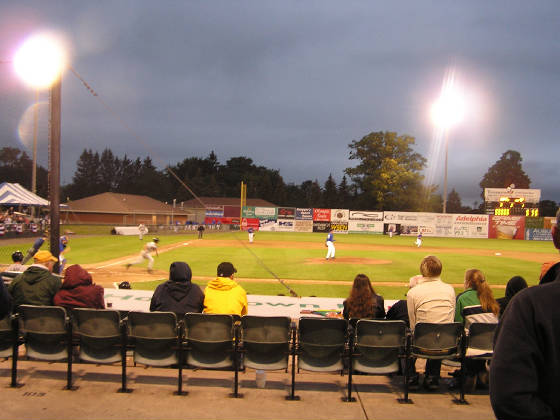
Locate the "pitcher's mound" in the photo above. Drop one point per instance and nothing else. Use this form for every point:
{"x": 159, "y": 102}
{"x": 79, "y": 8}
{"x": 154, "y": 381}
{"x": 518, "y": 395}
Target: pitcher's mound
{"x": 346, "y": 260}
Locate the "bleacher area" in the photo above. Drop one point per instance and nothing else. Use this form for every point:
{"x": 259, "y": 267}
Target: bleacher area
{"x": 312, "y": 363}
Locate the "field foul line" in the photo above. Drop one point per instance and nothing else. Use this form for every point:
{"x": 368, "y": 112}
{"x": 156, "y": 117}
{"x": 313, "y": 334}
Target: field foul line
{"x": 129, "y": 259}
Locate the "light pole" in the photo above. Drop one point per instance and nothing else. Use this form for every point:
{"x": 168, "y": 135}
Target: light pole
{"x": 40, "y": 62}
{"x": 447, "y": 111}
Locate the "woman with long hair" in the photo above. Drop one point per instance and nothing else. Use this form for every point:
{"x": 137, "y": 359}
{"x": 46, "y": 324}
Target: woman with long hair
{"x": 476, "y": 304}
{"x": 363, "y": 302}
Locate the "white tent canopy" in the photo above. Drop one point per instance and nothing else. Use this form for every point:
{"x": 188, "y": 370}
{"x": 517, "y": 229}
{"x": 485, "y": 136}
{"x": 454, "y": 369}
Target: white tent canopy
{"x": 15, "y": 194}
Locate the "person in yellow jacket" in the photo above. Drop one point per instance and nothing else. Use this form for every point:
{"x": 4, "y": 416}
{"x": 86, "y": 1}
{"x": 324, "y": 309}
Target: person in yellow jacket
{"x": 223, "y": 295}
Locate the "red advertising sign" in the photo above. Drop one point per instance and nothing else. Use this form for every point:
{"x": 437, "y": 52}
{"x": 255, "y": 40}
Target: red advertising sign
{"x": 322, "y": 215}
{"x": 249, "y": 222}
{"x": 506, "y": 227}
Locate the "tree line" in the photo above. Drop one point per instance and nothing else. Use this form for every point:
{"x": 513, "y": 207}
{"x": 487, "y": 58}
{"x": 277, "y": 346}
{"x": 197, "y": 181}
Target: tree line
{"x": 387, "y": 176}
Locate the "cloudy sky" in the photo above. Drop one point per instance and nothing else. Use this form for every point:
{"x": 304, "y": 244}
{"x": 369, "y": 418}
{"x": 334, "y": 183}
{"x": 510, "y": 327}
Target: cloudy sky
{"x": 291, "y": 83}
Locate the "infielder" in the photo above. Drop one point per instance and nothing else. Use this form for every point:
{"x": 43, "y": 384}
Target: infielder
{"x": 142, "y": 230}
{"x": 330, "y": 245}
{"x": 251, "y": 233}
{"x": 418, "y": 242}
{"x": 146, "y": 254}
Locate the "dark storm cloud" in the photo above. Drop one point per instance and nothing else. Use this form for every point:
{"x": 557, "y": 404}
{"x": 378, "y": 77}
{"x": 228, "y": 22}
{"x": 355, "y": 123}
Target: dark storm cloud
{"x": 290, "y": 84}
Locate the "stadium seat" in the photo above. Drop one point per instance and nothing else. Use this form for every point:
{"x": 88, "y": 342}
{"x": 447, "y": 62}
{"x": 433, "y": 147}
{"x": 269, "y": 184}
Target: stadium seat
{"x": 321, "y": 347}
{"x": 102, "y": 338}
{"x": 266, "y": 342}
{"x": 212, "y": 343}
{"x": 48, "y": 335}
{"x": 438, "y": 341}
{"x": 156, "y": 340}
{"x": 479, "y": 346}
{"x": 9, "y": 343}
{"x": 378, "y": 348}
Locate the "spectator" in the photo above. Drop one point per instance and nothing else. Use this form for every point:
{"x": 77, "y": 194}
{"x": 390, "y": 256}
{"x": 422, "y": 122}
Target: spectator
{"x": 476, "y": 304}
{"x": 432, "y": 301}
{"x": 223, "y": 295}
{"x": 363, "y": 302}
{"x": 36, "y": 285}
{"x": 79, "y": 291}
{"x": 17, "y": 258}
{"x": 178, "y": 294}
{"x": 5, "y": 300}
{"x": 526, "y": 365}
{"x": 398, "y": 311}
{"x": 514, "y": 285}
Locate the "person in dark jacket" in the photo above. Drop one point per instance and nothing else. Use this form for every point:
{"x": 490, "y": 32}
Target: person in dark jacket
{"x": 36, "y": 285}
{"x": 363, "y": 302}
{"x": 5, "y": 300}
{"x": 79, "y": 291}
{"x": 526, "y": 364}
{"x": 178, "y": 294}
{"x": 514, "y": 286}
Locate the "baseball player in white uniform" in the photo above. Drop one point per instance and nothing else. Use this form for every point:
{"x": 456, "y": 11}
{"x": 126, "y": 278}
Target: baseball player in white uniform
{"x": 330, "y": 245}
{"x": 146, "y": 254}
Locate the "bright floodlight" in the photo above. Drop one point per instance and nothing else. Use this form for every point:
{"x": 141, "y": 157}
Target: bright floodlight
{"x": 449, "y": 109}
{"x": 40, "y": 60}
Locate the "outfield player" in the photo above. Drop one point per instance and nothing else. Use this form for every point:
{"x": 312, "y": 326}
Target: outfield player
{"x": 330, "y": 245}
{"x": 251, "y": 233}
{"x": 146, "y": 254}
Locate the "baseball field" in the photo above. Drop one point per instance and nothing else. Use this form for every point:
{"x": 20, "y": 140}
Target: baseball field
{"x": 298, "y": 260}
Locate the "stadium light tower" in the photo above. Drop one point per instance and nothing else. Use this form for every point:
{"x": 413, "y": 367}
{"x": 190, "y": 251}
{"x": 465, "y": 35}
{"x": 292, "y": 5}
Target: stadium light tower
{"x": 447, "y": 111}
{"x": 40, "y": 62}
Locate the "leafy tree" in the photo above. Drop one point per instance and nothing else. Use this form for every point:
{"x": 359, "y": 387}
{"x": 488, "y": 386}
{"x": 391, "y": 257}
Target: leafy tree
{"x": 388, "y": 173}
{"x": 506, "y": 171}
{"x": 17, "y": 167}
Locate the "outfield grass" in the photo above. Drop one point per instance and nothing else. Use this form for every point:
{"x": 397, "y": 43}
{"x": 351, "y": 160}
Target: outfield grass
{"x": 288, "y": 261}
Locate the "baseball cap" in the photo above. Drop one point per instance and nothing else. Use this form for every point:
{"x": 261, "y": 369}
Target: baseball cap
{"x": 226, "y": 269}
{"x": 42, "y": 257}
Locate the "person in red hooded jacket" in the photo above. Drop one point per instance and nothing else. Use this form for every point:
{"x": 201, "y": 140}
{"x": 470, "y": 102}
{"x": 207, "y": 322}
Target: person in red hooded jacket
{"x": 79, "y": 291}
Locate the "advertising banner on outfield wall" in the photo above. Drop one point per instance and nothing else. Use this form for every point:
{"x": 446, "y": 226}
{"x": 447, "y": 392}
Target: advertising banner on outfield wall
{"x": 372, "y": 216}
{"x": 339, "y": 227}
{"x": 304, "y": 213}
{"x": 215, "y": 211}
{"x": 321, "y": 226}
{"x": 232, "y": 211}
{"x": 285, "y": 225}
{"x": 470, "y": 225}
{"x": 435, "y": 224}
{"x": 246, "y": 223}
{"x": 339, "y": 216}
{"x": 268, "y": 225}
{"x": 266, "y": 213}
{"x": 321, "y": 215}
{"x": 249, "y": 212}
{"x": 535, "y": 234}
{"x": 303, "y": 225}
{"x": 365, "y": 226}
{"x": 506, "y": 227}
{"x": 286, "y": 213}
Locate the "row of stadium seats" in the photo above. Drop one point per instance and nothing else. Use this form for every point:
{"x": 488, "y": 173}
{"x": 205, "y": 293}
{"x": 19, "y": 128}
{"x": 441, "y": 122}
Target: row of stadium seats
{"x": 227, "y": 342}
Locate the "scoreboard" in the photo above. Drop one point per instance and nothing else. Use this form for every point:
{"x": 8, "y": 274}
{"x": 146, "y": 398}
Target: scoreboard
{"x": 512, "y": 202}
